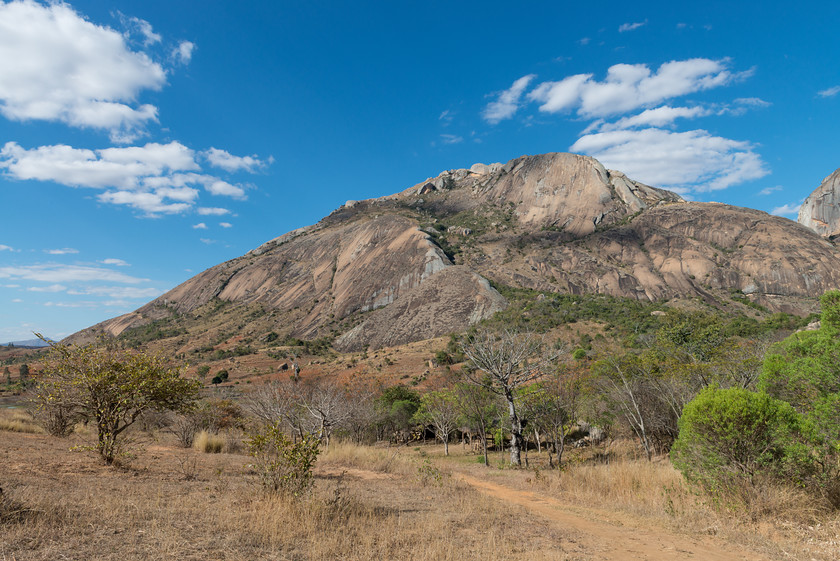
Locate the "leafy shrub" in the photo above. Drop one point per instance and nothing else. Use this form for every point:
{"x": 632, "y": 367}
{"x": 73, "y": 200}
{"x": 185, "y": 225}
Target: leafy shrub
{"x": 283, "y": 465}
{"x": 734, "y": 435}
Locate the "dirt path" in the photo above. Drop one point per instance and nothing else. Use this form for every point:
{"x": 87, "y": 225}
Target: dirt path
{"x": 606, "y": 536}
{"x": 614, "y": 540}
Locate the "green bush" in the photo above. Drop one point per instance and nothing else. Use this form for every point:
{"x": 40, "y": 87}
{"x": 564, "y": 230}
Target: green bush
{"x": 283, "y": 465}
{"x": 734, "y": 435}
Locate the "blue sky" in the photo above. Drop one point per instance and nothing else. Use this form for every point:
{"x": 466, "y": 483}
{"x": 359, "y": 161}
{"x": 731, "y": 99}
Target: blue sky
{"x": 143, "y": 142}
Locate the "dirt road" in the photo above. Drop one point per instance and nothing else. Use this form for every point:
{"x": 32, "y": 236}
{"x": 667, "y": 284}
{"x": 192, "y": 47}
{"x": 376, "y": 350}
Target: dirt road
{"x": 610, "y": 539}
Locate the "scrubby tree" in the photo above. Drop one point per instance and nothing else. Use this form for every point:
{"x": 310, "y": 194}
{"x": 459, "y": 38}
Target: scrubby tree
{"x": 478, "y": 407}
{"x": 439, "y": 409}
{"x": 111, "y": 387}
{"x": 510, "y": 360}
{"x": 397, "y": 406}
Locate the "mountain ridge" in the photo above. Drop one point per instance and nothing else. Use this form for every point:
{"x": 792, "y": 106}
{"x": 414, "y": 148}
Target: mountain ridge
{"x": 554, "y": 222}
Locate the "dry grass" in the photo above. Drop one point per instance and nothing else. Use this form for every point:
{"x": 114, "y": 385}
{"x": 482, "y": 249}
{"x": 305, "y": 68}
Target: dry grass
{"x": 182, "y": 504}
{"x": 19, "y": 420}
{"x": 778, "y": 520}
{"x": 209, "y": 443}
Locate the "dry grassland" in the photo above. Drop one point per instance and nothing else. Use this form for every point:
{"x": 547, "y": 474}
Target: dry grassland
{"x": 368, "y": 503}
{"x": 177, "y": 503}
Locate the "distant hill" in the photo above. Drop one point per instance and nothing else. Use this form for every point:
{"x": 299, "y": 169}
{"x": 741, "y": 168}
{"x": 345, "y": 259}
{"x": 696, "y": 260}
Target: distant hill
{"x": 30, "y": 344}
{"x": 433, "y": 259}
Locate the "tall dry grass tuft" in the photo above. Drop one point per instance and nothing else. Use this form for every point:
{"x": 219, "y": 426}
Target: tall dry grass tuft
{"x": 208, "y": 443}
{"x": 374, "y": 458}
{"x": 17, "y": 420}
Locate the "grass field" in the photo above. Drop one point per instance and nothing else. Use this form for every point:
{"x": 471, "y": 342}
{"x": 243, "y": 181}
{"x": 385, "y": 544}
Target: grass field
{"x": 369, "y": 503}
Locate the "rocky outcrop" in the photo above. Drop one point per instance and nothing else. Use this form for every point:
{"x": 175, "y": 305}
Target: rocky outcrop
{"x": 821, "y": 210}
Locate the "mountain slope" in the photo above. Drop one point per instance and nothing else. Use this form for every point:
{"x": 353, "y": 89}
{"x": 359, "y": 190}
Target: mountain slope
{"x": 416, "y": 264}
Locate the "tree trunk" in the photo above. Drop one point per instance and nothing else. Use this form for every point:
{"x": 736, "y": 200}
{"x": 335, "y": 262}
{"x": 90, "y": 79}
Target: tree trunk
{"x": 515, "y": 433}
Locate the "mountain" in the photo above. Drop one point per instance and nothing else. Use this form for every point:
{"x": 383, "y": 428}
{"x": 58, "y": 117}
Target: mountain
{"x": 424, "y": 262}
{"x": 29, "y": 343}
{"x": 821, "y": 210}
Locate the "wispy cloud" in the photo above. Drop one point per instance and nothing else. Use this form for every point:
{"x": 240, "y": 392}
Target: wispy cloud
{"x": 114, "y": 261}
{"x": 57, "y": 66}
{"x": 787, "y": 210}
{"x": 631, "y": 26}
{"x": 183, "y": 52}
{"x": 225, "y": 224}
{"x": 228, "y": 162}
{"x": 507, "y": 101}
{"x": 50, "y": 288}
{"x": 212, "y": 211}
{"x": 829, "y": 92}
{"x": 62, "y": 251}
{"x": 451, "y": 138}
{"x": 66, "y": 274}
{"x": 200, "y": 226}
{"x": 770, "y": 190}
{"x": 4, "y": 247}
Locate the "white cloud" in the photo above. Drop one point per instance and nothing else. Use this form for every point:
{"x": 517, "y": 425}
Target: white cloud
{"x": 225, "y": 224}
{"x": 57, "y": 66}
{"x": 118, "y": 292}
{"x": 51, "y": 288}
{"x": 114, "y": 261}
{"x": 212, "y": 211}
{"x": 200, "y": 226}
{"x": 207, "y": 241}
{"x": 17, "y": 300}
{"x": 829, "y": 92}
{"x": 659, "y": 117}
{"x": 451, "y": 138}
{"x": 66, "y": 274}
{"x": 6, "y": 247}
{"x": 62, "y": 251}
{"x": 628, "y": 87}
{"x": 219, "y": 187}
{"x": 151, "y": 203}
{"x": 682, "y": 161}
{"x": 72, "y": 304}
{"x": 631, "y": 26}
{"x": 110, "y": 167}
{"x": 508, "y": 101}
{"x": 183, "y": 52}
{"x": 752, "y": 102}
{"x": 770, "y": 190}
{"x": 228, "y": 162}
{"x": 786, "y": 210}
{"x": 142, "y": 27}
{"x": 155, "y": 178}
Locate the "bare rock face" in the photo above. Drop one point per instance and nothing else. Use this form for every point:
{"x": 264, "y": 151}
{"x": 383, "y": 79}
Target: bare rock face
{"x": 449, "y": 302}
{"x": 821, "y": 210}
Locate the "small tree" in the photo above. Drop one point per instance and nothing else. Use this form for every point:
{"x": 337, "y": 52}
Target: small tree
{"x": 478, "y": 407}
{"x": 111, "y": 387}
{"x": 439, "y": 409}
{"x": 510, "y": 361}
{"x": 283, "y": 465}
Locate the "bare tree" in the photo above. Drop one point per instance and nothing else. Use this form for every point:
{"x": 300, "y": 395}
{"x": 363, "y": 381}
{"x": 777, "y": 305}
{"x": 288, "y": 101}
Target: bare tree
{"x": 440, "y": 409}
{"x": 510, "y": 361}
{"x": 327, "y": 405}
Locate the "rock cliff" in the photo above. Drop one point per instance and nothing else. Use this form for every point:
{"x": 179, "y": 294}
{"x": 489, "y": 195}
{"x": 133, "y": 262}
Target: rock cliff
{"x": 821, "y": 210}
